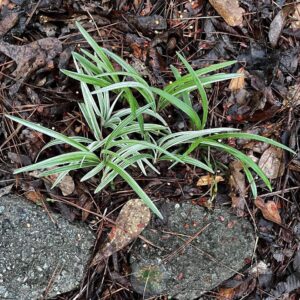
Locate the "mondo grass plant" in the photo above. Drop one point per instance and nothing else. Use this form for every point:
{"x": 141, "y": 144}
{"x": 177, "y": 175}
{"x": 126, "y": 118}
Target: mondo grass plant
{"x": 123, "y": 138}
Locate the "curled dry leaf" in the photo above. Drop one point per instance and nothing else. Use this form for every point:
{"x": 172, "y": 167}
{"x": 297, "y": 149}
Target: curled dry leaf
{"x": 237, "y": 83}
{"x": 271, "y": 162}
{"x": 132, "y": 220}
{"x": 269, "y": 210}
{"x": 209, "y": 180}
{"x": 229, "y": 10}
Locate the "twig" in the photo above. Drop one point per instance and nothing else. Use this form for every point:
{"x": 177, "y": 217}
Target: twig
{"x": 187, "y": 242}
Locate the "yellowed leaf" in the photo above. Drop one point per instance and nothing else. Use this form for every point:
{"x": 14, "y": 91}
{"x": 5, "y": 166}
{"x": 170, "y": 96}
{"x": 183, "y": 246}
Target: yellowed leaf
{"x": 208, "y": 180}
{"x": 239, "y": 82}
{"x": 132, "y": 220}
{"x": 229, "y": 10}
{"x": 269, "y": 210}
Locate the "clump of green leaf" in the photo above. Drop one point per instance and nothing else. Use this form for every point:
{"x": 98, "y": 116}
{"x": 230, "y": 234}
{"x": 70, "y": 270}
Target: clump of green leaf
{"x": 123, "y": 139}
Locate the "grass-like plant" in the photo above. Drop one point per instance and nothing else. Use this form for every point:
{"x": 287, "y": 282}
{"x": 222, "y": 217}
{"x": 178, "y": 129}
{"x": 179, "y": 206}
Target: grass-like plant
{"x": 122, "y": 138}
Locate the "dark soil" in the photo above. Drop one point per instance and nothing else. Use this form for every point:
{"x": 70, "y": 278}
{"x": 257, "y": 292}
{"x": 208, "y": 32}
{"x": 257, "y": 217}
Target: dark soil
{"x": 36, "y": 41}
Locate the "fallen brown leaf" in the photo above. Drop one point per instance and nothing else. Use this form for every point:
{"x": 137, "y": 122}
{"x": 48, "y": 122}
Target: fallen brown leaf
{"x": 271, "y": 162}
{"x": 269, "y": 210}
{"x": 132, "y": 220}
{"x": 34, "y": 196}
{"x": 237, "y": 83}
{"x": 237, "y": 184}
{"x": 67, "y": 185}
{"x": 8, "y": 22}
{"x": 208, "y": 180}
{"x": 295, "y": 18}
{"x": 277, "y": 25}
{"x": 226, "y": 294}
{"x": 229, "y": 10}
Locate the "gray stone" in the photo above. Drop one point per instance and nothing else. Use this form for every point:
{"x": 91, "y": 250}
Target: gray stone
{"x": 36, "y": 249}
{"x": 183, "y": 264}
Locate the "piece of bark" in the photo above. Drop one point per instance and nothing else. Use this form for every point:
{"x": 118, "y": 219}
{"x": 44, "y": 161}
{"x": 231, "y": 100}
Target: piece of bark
{"x": 229, "y": 10}
{"x": 31, "y": 57}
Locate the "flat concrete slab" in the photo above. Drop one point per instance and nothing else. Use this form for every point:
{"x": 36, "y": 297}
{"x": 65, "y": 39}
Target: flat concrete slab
{"x": 39, "y": 255}
{"x": 193, "y": 251}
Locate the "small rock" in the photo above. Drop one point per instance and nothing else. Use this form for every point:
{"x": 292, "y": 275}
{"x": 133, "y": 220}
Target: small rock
{"x": 185, "y": 267}
{"x": 34, "y": 250}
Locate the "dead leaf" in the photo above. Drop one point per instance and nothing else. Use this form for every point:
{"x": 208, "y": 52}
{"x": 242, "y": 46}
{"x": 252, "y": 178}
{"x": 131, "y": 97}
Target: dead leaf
{"x": 277, "y": 25}
{"x": 293, "y": 96}
{"x": 67, "y": 185}
{"x": 147, "y": 8}
{"x": 229, "y": 10}
{"x": 260, "y": 268}
{"x": 238, "y": 83}
{"x": 269, "y": 210}
{"x": 20, "y": 159}
{"x": 146, "y": 24}
{"x": 295, "y": 24}
{"x": 209, "y": 180}
{"x": 6, "y": 190}
{"x": 271, "y": 162}
{"x": 30, "y": 57}
{"x": 8, "y": 22}
{"x": 226, "y": 294}
{"x": 132, "y": 220}
{"x": 34, "y": 196}
{"x": 237, "y": 184}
